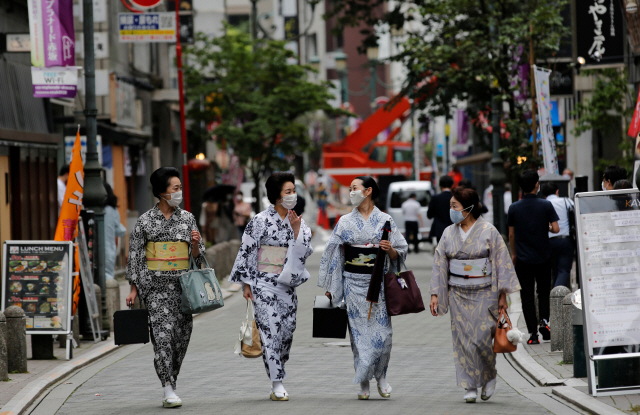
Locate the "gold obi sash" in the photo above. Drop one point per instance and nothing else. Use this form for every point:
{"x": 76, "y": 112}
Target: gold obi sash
{"x": 271, "y": 259}
{"x": 167, "y": 256}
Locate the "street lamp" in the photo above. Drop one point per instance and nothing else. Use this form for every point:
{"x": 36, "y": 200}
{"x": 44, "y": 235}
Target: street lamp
{"x": 341, "y": 67}
{"x": 372, "y": 55}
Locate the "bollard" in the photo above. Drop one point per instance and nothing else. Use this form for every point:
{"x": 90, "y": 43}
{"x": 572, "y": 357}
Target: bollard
{"x": 4, "y": 368}
{"x": 113, "y": 298}
{"x": 567, "y": 328}
{"x": 98, "y": 290}
{"x": 16, "y": 339}
{"x": 556, "y": 317}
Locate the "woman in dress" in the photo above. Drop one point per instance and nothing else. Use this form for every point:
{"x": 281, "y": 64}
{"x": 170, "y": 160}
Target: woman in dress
{"x": 472, "y": 275}
{"x": 345, "y": 273}
{"x": 159, "y": 249}
{"x": 271, "y": 264}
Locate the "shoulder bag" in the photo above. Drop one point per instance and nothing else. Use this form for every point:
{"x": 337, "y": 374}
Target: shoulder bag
{"x": 249, "y": 344}
{"x": 401, "y": 292}
{"x": 500, "y": 342}
{"x": 200, "y": 289}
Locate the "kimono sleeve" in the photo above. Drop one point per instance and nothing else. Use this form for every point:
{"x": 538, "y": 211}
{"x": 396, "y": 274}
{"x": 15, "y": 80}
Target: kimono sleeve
{"x": 399, "y": 243}
{"x": 294, "y": 272}
{"x": 332, "y": 265}
{"x": 194, "y": 227}
{"x": 502, "y": 267}
{"x": 440, "y": 275}
{"x": 137, "y": 262}
{"x": 245, "y": 268}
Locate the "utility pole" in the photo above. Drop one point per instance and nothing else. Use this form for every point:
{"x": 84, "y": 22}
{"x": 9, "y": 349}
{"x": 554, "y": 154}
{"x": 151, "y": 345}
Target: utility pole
{"x": 498, "y": 176}
{"x": 94, "y": 192}
{"x": 183, "y": 125}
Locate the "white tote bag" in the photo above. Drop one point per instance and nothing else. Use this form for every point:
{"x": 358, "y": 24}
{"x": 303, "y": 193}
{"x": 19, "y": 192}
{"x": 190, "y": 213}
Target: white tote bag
{"x": 246, "y": 331}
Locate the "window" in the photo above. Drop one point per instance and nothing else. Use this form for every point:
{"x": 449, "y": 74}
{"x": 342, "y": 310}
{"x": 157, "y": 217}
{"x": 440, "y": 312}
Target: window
{"x": 399, "y": 197}
{"x": 402, "y": 154}
{"x": 379, "y": 154}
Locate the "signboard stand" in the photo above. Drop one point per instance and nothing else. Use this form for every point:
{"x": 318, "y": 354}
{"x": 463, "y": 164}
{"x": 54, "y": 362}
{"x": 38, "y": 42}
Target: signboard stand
{"x": 37, "y": 277}
{"x": 87, "y": 283}
{"x": 608, "y": 228}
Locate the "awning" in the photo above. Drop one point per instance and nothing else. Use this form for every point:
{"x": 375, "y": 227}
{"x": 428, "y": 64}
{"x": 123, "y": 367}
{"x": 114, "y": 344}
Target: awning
{"x": 479, "y": 158}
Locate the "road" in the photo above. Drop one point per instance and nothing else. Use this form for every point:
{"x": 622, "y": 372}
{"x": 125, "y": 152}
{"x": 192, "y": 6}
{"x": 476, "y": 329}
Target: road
{"x": 214, "y": 380}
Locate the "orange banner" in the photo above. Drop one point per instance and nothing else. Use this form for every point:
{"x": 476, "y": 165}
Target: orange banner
{"x": 70, "y": 212}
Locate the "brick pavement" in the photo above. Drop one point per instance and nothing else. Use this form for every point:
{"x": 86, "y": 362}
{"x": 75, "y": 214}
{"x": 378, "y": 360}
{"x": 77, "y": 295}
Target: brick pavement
{"x": 213, "y": 379}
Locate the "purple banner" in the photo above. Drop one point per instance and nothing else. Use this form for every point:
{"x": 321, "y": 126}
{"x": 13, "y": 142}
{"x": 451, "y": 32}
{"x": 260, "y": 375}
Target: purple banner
{"x": 58, "y": 33}
{"x": 463, "y": 126}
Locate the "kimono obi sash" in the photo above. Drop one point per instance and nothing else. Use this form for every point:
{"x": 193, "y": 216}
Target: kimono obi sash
{"x": 167, "y": 256}
{"x": 359, "y": 259}
{"x": 271, "y": 259}
{"x": 470, "y": 268}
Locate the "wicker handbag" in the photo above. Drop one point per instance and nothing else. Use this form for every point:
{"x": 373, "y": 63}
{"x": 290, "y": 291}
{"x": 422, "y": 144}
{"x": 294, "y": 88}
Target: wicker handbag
{"x": 500, "y": 343}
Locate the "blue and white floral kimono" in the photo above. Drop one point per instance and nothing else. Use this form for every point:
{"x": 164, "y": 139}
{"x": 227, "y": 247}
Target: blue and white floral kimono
{"x": 370, "y": 338}
{"x": 272, "y": 262}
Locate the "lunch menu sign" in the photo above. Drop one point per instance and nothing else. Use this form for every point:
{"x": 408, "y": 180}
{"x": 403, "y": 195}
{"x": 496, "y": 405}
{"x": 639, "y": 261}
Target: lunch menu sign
{"x": 37, "y": 277}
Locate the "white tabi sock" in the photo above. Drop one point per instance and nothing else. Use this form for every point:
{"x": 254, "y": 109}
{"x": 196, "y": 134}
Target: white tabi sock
{"x": 382, "y": 382}
{"x": 278, "y": 387}
{"x": 364, "y": 386}
{"x": 169, "y": 392}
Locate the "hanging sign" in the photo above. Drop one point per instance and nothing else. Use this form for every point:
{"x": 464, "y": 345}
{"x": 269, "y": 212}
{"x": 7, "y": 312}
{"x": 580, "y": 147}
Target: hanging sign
{"x": 547, "y": 137}
{"x": 147, "y": 27}
{"x": 36, "y": 276}
{"x": 600, "y": 32}
{"x": 52, "y": 33}
{"x": 54, "y": 82}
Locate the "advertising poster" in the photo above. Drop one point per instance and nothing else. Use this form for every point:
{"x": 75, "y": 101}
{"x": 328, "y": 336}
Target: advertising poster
{"x": 36, "y": 277}
{"x": 147, "y": 27}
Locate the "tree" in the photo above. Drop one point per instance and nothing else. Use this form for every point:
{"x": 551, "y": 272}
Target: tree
{"x": 450, "y": 57}
{"x": 257, "y": 97}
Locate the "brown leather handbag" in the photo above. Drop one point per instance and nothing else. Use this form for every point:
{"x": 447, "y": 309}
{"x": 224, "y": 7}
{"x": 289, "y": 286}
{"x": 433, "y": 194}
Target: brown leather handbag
{"x": 500, "y": 342}
{"x": 401, "y": 292}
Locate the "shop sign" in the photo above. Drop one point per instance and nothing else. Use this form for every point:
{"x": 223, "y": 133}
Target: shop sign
{"x": 60, "y": 82}
{"x": 147, "y": 27}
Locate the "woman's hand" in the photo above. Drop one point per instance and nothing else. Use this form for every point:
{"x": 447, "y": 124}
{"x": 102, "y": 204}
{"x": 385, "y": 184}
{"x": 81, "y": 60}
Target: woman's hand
{"x": 132, "y": 295}
{"x": 295, "y": 222}
{"x": 328, "y": 294}
{"x": 434, "y": 305}
{"x": 386, "y": 247}
{"x": 247, "y": 292}
{"x": 502, "y": 303}
{"x": 195, "y": 243}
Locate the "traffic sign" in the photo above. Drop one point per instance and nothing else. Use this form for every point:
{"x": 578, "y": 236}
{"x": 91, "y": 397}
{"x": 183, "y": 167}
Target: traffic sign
{"x": 145, "y": 4}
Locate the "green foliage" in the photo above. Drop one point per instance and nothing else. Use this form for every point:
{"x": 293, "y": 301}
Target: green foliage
{"x": 607, "y": 109}
{"x": 450, "y": 56}
{"x": 257, "y": 96}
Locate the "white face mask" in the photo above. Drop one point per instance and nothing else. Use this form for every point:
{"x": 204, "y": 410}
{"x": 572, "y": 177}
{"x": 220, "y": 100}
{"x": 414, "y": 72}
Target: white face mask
{"x": 175, "y": 199}
{"x": 356, "y": 197}
{"x": 604, "y": 187}
{"x": 289, "y": 201}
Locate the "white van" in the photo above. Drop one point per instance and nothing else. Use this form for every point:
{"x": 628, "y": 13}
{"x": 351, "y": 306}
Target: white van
{"x": 399, "y": 192}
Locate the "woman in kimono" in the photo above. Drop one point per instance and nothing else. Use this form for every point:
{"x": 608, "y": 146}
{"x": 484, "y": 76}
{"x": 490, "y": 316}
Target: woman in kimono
{"x": 159, "y": 249}
{"x": 472, "y": 275}
{"x": 271, "y": 264}
{"x": 345, "y": 273}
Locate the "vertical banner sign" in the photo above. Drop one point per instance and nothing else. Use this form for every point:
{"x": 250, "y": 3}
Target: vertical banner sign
{"x": 52, "y": 33}
{"x": 547, "y": 137}
{"x": 634, "y": 127}
{"x": 600, "y": 32}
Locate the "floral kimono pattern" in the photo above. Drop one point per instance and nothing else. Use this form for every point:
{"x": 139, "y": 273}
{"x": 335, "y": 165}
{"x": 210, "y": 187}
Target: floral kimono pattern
{"x": 274, "y": 295}
{"x": 160, "y": 290}
{"x": 370, "y": 338}
{"x": 472, "y": 323}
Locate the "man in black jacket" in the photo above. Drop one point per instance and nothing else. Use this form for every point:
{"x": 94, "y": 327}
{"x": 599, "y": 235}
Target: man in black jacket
{"x": 439, "y": 209}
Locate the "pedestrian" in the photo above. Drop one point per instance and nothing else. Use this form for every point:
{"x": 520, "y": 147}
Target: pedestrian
{"x": 270, "y": 265}
{"x": 472, "y": 275}
{"x": 412, "y": 220}
{"x": 561, "y": 244}
{"x": 530, "y": 220}
{"x": 112, "y": 230}
{"x": 567, "y": 174}
{"x": 439, "y": 209}
{"x": 63, "y": 177}
{"x": 165, "y": 227}
{"x": 345, "y": 274}
{"x": 611, "y": 175}
{"x": 622, "y": 184}
{"x": 241, "y": 213}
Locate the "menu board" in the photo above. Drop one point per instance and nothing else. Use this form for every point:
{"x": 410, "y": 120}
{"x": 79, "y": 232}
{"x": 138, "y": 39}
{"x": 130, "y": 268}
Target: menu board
{"x": 608, "y": 227}
{"x": 36, "y": 276}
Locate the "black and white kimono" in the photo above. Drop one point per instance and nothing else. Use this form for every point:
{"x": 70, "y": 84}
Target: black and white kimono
{"x": 274, "y": 295}
{"x": 160, "y": 290}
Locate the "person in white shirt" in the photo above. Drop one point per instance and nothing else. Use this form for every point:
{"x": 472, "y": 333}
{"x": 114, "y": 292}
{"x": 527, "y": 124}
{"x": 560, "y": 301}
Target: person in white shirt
{"x": 561, "y": 244}
{"x": 63, "y": 176}
{"x": 412, "y": 221}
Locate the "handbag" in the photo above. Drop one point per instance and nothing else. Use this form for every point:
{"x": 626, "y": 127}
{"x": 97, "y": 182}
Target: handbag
{"x": 500, "y": 342}
{"x": 246, "y": 333}
{"x": 250, "y": 344}
{"x": 200, "y": 289}
{"x": 329, "y": 321}
{"x": 131, "y": 326}
{"x": 401, "y": 292}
